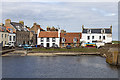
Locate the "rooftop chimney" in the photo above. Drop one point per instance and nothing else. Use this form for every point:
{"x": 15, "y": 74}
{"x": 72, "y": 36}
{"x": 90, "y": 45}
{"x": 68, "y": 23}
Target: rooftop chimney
{"x": 22, "y": 22}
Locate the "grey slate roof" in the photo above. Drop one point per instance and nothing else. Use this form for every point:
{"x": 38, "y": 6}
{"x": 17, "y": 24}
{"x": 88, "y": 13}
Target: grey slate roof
{"x": 17, "y": 26}
{"x": 95, "y": 30}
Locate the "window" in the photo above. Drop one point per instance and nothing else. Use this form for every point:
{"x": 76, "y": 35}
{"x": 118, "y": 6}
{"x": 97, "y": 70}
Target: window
{"x": 42, "y": 44}
{"x": 2, "y": 35}
{"x": 13, "y": 38}
{"x": 88, "y": 31}
{"x": 53, "y": 39}
{"x": 63, "y": 39}
{"x": 53, "y": 44}
{"x": 42, "y": 39}
{"x": 48, "y": 40}
{"x": 88, "y": 37}
{"x": 92, "y": 37}
{"x": 5, "y": 35}
{"x": 10, "y": 38}
{"x": 99, "y": 37}
{"x": 62, "y": 45}
{"x": 5, "y": 42}
{"x": 103, "y": 37}
{"x": 75, "y": 40}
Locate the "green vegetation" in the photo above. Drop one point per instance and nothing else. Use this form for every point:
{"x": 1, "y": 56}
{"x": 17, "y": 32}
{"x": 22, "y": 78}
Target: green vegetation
{"x": 65, "y": 50}
{"x": 116, "y": 42}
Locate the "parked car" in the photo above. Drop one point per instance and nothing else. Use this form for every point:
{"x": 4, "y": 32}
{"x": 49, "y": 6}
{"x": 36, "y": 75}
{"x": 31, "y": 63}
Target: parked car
{"x": 68, "y": 47}
{"x": 20, "y": 45}
{"x": 26, "y": 46}
{"x": 9, "y": 45}
{"x": 55, "y": 46}
{"x": 32, "y": 45}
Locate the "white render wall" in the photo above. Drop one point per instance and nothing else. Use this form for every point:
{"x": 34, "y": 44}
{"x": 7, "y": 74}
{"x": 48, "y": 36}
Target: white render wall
{"x": 57, "y": 40}
{"x": 12, "y": 41}
{"x": 108, "y": 38}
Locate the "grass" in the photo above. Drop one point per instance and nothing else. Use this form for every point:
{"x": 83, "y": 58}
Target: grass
{"x": 65, "y": 50}
{"x": 116, "y": 42}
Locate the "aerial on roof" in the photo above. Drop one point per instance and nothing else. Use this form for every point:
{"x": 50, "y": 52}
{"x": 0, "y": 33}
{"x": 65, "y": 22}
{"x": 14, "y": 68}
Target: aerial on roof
{"x": 48, "y": 34}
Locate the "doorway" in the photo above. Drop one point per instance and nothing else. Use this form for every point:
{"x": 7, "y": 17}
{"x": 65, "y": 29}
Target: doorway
{"x": 48, "y": 45}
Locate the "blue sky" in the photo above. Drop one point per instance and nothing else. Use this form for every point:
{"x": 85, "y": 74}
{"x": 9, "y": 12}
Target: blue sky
{"x": 68, "y": 15}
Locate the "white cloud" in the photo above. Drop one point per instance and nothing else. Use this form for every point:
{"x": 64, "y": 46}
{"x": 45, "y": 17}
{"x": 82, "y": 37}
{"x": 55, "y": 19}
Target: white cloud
{"x": 60, "y": 0}
{"x": 102, "y": 12}
{"x": 69, "y": 16}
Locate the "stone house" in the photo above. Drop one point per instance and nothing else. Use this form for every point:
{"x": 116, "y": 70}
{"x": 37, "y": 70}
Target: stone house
{"x": 33, "y": 33}
{"x": 22, "y": 33}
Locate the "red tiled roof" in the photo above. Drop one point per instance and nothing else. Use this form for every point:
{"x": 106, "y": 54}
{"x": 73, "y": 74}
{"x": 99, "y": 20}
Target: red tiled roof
{"x": 7, "y": 28}
{"x": 70, "y": 36}
{"x": 48, "y": 34}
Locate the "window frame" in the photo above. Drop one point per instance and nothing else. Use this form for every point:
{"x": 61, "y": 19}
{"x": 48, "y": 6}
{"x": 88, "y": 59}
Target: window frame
{"x": 88, "y": 37}
{"x": 54, "y": 39}
{"x": 42, "y": 39}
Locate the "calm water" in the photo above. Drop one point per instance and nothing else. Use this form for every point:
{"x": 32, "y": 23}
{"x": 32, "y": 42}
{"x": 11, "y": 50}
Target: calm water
{"x": 58, "y": 67}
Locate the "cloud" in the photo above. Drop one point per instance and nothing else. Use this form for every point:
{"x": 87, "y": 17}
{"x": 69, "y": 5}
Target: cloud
{"x": 102, "y": 12}
{"x": 60, "y": 0}
{"x": 68, "y": 15}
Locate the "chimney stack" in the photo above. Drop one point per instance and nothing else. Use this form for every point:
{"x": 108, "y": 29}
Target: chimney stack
{"x": 22, "y": 22}
{"x": 7, "y": 21}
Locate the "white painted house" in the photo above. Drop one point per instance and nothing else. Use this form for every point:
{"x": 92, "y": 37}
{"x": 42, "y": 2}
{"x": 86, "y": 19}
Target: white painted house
{"x": 48, "y": 38}
{"x": 12, "y": 38}
{"x": 96, "y": 35}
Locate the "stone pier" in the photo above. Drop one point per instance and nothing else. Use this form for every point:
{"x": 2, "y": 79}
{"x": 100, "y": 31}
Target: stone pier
{"x": 113, "y": 56}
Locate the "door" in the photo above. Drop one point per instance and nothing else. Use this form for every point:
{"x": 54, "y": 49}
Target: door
{"x": 48, "y": 45}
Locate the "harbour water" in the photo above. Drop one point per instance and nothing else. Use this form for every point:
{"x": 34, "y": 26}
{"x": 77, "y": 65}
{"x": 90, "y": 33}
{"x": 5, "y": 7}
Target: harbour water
{"x": 85, "y": 66}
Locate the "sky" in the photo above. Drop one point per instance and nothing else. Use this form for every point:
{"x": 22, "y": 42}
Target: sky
{"x": 67, "y": 15}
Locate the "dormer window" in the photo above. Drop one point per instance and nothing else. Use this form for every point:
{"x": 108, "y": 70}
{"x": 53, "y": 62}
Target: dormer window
{"x": 63, "y": 39}
{"x": 18, "y": 27}
{"x": 75, "y": 40}
{"x": 88, "y": 31}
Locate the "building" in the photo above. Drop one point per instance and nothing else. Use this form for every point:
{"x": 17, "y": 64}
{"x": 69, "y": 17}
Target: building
{"x": 96, "y": 35}
{"x": 22, "y": 33}
{"x": 33, "y": 33}
{"x": 70, "y": 38}
{"x": 11, "y": 36}
{"x": 48, "y": 38}
{"x": 3, "y": 36}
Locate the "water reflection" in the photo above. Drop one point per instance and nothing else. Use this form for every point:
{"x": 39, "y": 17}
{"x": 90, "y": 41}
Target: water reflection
{"x": 58, "y": 67}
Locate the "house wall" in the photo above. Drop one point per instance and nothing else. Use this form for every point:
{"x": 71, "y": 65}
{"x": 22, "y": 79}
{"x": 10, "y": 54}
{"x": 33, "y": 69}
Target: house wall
{"x": 22, "y": 37}
{"x": 108, "y": 38}
{"x": 50, "y": 42}
{"x": 12, "y": 41}
{"x": 4, "y": 39}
